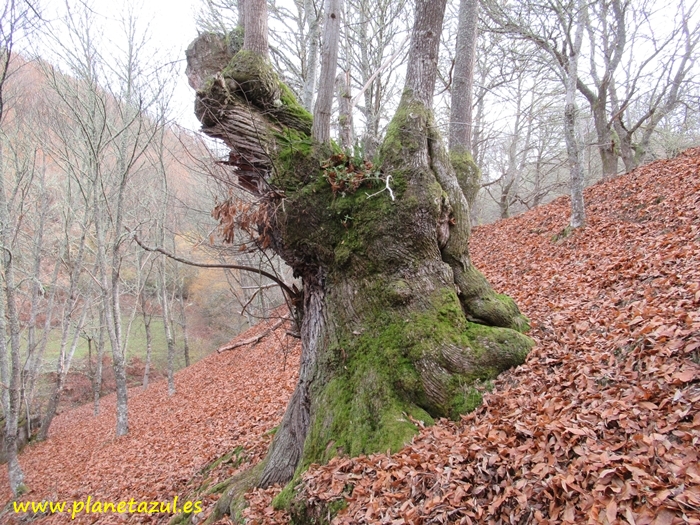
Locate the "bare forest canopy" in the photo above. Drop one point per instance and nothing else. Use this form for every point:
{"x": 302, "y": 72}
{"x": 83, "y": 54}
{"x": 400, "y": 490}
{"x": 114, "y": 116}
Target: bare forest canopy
{"x": 636, "y": 90}
{"x": 84, "y": 165}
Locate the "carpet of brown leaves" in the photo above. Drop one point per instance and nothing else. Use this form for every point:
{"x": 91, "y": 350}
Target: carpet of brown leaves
{"x": 224, "y": 401}
{"x": 602, "y": 423}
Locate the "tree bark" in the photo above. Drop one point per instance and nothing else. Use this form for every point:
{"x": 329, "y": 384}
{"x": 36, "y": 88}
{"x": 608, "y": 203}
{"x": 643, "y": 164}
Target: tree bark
{"x": 255, "y": 33}
{"x": 395, "y": 320}
{"x": 309, "y": 87}
{"x": 321, "y": 129}
{"x": 183, "y": 324}
{"x": 346, "y": 134}
{"x": 149, "y": 346}
{"x": 97, "y": 379}
{"x": 13, "y": 399}
{"x": 578, "y": 214}
{"x": 241, "y": 13}
{"x": 463, "y": 78}
{"x": 165, "y": 308}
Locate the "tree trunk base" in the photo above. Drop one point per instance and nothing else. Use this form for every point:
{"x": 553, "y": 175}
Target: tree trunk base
{"x": 397, "y": 326}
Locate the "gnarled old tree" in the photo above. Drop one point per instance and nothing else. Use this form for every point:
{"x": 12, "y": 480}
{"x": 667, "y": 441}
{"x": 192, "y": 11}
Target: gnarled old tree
{"x": 396, "y": 323}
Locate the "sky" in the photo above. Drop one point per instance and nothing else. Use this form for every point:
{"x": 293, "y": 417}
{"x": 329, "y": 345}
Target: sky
{"x": 171, "y": 25}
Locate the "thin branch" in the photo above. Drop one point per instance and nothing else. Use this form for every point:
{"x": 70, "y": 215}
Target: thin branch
{"x": 157, "y": 249}
{"x": 253, "y": 340}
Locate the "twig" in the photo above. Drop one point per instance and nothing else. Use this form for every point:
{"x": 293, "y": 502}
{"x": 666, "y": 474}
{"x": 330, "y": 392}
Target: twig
{"x": 387, "y": 187}
{"x": 281, "y": 283}
{"x": 253, "y": 340}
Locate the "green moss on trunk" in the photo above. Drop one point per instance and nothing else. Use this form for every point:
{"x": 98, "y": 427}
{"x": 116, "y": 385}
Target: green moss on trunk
{"x": 377, "y": 383}
{"x": 393, "y": 344}
{"x": 468, "y": 175}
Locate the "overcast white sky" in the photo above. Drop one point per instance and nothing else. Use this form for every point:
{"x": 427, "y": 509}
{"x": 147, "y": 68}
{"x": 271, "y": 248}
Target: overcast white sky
{"x": 171, "y": 26}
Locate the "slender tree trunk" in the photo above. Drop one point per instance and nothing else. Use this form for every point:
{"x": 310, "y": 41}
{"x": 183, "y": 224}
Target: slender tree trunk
{"x": 64, "y": 362}
{"x": 4, "y": 362}
{"x": 321, "y": 129}
{"x": 607, "y": 147}
{"x": 32, "y": 344}
{"x": 118, "y": 354}
{"x": 578, "y": 214}
{"x": 38, "y": 355}
{"x": 113, "y": 322}
{"x": 99, "y": 363}
{"x": 185, "y": 338}
{"x": 461, "y": 121}
{"x": 309, "y": 88}
{"x": 13, "y": 400}
{"x": 149, "y": 339}
{"x": 149, "y": 353}
{"x": 505, "y": 200}
{"x": 64, "y": 358}
{"x": 241, "y": 13}
{"x": 165, "y": 308}
{"x": 346, "y": 134}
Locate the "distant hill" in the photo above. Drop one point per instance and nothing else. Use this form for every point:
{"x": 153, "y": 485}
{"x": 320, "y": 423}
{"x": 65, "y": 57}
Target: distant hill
{"x": 40, "y": 139}
{"x": 601, "y": 424}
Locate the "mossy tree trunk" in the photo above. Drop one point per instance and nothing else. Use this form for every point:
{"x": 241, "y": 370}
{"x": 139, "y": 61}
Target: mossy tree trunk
{"x": 396, "y": 323}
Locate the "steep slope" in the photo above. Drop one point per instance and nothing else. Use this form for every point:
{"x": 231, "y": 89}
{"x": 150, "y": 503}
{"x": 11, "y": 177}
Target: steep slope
{"x": 602, "y": 423}
{"x": 225, "y": 402}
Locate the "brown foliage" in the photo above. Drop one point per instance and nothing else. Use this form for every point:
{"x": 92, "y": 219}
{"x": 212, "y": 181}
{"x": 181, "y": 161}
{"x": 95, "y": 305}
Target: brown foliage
{"x": 224, "y": 401}
{"x": 602, "y": 423}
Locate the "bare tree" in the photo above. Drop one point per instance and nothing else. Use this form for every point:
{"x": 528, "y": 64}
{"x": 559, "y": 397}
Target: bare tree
{"x": 573, "y": 148}
{"x": 9, "y": 299}
{"x": 461, "y": 121}
{"x": 635, "y": 121}
{"x": 16, "y": 17}
{"x": 463, "y": 78}
{"x": 618, "y": 79}
{"x": 145, "y": 265}
{"x": 103, "y": 137}
{"x": 546, "y": 26}
{"x": 376, "y": 35}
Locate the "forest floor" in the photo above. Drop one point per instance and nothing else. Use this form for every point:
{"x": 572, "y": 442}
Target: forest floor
{"x": 600, "y": 425}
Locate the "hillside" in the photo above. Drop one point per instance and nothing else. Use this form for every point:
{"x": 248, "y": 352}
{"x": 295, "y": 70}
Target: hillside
{"x": 601, "y": 425}
{"x": 224, "y": 401}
